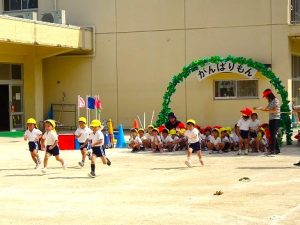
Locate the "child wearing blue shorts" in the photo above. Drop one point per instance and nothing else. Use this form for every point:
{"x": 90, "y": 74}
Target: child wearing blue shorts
{"x": 194, "y": 146}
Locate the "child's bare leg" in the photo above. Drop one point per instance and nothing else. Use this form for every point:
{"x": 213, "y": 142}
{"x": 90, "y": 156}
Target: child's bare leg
{"x": 199, "y": 153}
{"x": 47, "y": 155}
{"x": 104, "y": 159}
{"x": 189, "y": 155}
{"x": 60, "y": 160}
{"x": 34, "y": 156}
{"x": 83, "y": 154}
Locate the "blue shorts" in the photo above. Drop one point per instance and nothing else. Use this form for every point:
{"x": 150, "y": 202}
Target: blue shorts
{"x": 253, "y": 134}
{"x": 195, "y": 146}
{"x": 84, "y": 146}
{"x": 54, "y": 151}
{"x": 99, "y": 151}
{"x": 33, "y": 145}
{"x": 244, "y": 134}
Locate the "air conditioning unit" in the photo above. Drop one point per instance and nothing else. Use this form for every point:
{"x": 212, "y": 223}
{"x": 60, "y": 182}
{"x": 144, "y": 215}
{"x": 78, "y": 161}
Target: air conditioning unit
{"x": 58, "y": 16}
{"x": 23, "y": 15}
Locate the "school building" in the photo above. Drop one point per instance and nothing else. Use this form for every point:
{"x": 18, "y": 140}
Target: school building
{"x": 127, "y": 51}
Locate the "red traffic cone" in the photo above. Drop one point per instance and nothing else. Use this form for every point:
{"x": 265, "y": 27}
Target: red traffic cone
{"x": 135, "y": 124}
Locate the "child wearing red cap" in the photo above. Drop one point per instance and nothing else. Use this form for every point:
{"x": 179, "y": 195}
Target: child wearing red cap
{"x": 244, "y": 126}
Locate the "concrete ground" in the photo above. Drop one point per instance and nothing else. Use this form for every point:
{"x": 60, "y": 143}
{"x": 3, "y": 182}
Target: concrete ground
{"x": 146, "y": 188}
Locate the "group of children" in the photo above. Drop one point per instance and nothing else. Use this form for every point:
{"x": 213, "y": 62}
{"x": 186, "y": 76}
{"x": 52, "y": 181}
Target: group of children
{"x": 49, "y": 142}
{"x": 247, "y": 135}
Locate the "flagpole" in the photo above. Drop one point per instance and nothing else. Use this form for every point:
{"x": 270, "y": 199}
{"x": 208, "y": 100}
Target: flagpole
{"x": 87, "y": 110}
{"x": 78, "y": 106}
{"x": 99, "y": 108}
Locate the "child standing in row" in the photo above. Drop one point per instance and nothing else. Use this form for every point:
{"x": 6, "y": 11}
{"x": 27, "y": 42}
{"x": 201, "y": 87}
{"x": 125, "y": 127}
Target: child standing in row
{"x": 51, "y": 139}
{"x": 192, "y": 135}
{"x": 97, "y": 139}
{"x": 82, "y": 134}
{"x": 243, "y": 126}
{"x": 253, "y": 128}
{"x": 33, "y": 136}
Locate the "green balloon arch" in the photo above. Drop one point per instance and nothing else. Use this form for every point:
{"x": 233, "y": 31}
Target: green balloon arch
{"x": 198, "y": 64}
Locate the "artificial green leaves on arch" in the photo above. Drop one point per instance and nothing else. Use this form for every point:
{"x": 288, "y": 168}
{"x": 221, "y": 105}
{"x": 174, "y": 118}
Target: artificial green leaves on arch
{"x": 196, "y": 65}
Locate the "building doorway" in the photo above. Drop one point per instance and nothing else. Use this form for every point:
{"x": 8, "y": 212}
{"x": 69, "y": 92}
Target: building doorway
{"x": 4, "y": 108}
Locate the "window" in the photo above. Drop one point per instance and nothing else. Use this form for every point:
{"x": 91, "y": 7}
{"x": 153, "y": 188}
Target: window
{"x": 11, "y": 5}
{"x": 10, "y": 71}
{"x": 234, "y": 89}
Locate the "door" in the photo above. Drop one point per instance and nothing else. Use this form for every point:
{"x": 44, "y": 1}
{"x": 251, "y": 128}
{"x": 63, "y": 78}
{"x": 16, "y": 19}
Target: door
{"x": 4, "y": 108}
{"x": 16, "y": 108}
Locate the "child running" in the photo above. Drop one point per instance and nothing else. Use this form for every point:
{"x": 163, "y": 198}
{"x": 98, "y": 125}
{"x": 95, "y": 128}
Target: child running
{"x": 51, "y": 139}
{"x": 82, "y": 134}
{"x": 33, "y": 136}
{"x": 192, "y": 135}
{"x": 97, "y": 139}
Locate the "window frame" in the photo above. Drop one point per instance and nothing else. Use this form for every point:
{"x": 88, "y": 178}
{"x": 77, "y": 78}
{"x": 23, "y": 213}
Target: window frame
{"x": 236, "y": 97}
{"x": 18, "y": 10}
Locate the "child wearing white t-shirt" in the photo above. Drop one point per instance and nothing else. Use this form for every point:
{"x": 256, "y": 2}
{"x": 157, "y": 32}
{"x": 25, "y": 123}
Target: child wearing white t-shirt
{"x": 51, "y": 139}
{"x": 156, "y": 144}
{"x": 253, "y": 128}
{"x": 192, "y": 135}
{"x": 33, "y": 136}
{"x": 135, "y": 142}
{"x": 97, "y": 141}
{"x": 167, "y": 141}
{"x": 214, "y": 144}
{"x": 82, "y": 134}
{"x": 143, "y": 138}
{"x": 244, "y": 126}
{"x": 225, "y": 142}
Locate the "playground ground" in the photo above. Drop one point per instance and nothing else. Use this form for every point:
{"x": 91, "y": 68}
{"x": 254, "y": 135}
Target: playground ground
{"x": 147, "y": 188}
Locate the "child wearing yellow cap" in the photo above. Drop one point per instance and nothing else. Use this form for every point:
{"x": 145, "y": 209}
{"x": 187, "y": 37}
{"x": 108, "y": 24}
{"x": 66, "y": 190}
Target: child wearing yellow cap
{"x": 135, "y": 142}
{"x": 82, "y": 134}
{"x": 97, "y": 143}
{"x": 167, "y": 141}
{"x": 156, "y": 144}
{"x": 51, "y": 139}
{"x": 33, "y": 136}
{"x": 148, "y": 135}
{"x": 194, "y": 146}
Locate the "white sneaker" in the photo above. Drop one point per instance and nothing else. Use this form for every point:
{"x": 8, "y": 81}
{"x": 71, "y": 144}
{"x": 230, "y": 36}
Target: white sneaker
{"x": 188, "y": 164}
{"x": 44, "y": 170}
{"x": 81, "y": 164}
{"x": 246, "y": 152}
{"x": 239, "y": 152}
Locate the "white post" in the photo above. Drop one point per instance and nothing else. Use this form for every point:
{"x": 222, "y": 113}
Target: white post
{"x": 144, "y": 120}
{"x": 96, "y": 113}
{"x": 78, "y": 108}
{"x": 87, "y": 109}
{"x": 99, "y": 109}
{"x": 152, "y": 117}
{"x": 140, "y": 121}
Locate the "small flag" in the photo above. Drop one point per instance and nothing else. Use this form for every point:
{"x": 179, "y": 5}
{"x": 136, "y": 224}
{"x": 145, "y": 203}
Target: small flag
{"x": 81, "y": 102}
{"x": 91, "y": 103}
{"x": 98, "y": 104}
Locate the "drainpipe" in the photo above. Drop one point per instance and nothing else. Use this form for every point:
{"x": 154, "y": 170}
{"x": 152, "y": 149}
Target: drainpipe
{"x": 55, "y": 4}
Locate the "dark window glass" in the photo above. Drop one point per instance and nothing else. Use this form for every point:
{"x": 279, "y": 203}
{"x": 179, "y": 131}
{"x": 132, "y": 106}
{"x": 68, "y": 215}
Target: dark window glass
{"x": 16, "y": 72}
{"x": 6, "y": 5}
{"x": 15, "y": 5}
